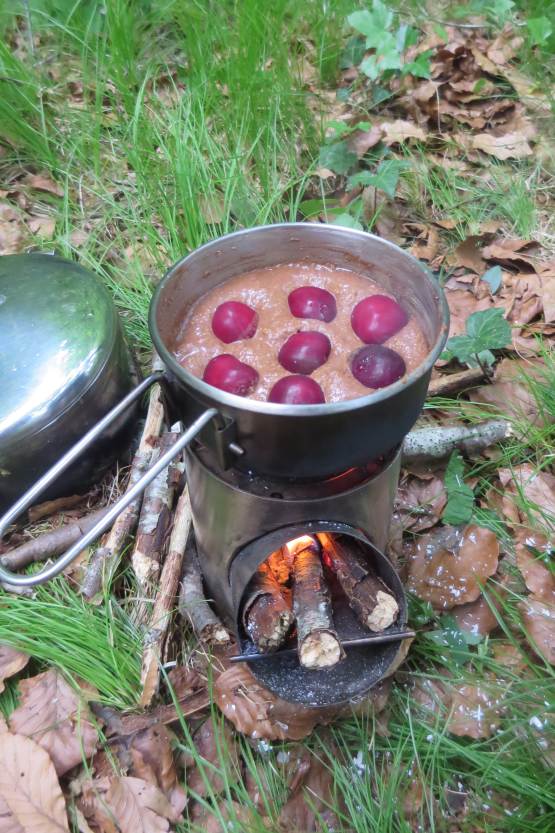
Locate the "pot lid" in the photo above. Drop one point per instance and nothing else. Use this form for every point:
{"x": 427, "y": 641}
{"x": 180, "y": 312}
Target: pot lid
{"x": 57, "y": 329}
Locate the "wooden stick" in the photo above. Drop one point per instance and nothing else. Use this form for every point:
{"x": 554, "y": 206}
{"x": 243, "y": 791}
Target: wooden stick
{"x": 372, "y": 601}
{"x": 50, "y": 544}
{"x": 267, "y": 617}
{"x": 438, "y": 441}
{"x": 318, "y": 644}
{"x": 193, "y": 605}
{"x": 153, "y": 641}
{"x": 450, "y": 383}
{"x": 105, "y": 558}
{"x": 154, "y": 521}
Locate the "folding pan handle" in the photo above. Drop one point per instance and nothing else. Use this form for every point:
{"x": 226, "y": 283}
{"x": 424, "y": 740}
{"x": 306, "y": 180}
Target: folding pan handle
{"x": 107, "y": 520}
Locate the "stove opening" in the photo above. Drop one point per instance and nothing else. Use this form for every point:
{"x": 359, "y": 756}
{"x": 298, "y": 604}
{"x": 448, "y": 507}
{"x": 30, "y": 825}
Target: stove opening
{"x": 320, "y": 620}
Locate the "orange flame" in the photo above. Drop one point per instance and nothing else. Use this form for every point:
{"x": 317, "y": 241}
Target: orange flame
{"x": 299, "y": 544}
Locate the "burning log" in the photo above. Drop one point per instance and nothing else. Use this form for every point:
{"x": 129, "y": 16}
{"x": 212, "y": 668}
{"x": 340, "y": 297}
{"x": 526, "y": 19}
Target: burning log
{"x": 267, "y": 617}
{"x": 368, "y": 596}
{"x": 318, "y": 643}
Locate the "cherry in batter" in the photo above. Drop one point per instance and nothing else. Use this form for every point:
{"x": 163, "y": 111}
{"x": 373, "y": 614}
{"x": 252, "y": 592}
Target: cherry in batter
{"x": 266, "y": 291}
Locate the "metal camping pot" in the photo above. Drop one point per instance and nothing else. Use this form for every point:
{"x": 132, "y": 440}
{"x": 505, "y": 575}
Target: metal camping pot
{"x": 64, "y": 363}
{"x": 281, "y": 441}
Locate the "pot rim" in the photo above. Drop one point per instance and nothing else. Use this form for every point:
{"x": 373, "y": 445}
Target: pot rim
{"x": 231, "y": 400}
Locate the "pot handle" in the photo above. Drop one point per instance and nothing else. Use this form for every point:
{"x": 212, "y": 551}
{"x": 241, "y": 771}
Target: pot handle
{"x": 107, "y": 520}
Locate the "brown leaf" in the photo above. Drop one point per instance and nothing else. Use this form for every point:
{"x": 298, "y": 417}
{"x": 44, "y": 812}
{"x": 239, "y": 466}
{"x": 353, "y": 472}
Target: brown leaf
{"x": 475, "y": 712}
{"x": 307, "y": 809}
{"x": 185, "y": 681}
{"x": 215, "y": 745}
{"x": 44, "y": 183}
{"x": 136, "y": 806}
{"x": 401, "y": 131}
{"x": 510, "y": 146}
{"x": 428, "y": 251}
{"x": 78, "y": 238}
{"x": 11, "y": 661}
{"x": 29, "y": 788}
{"x": 445, "y": 578}
{"x": 511, "y": 395}
{"x": 470, "y": 254}
{"x": 56, "y": 718}
{"x": 152, "y": 754}
{"x": 538, "y": 619}
{"x": 362, "y": 140}
{"x": 43, "y": 510}
{"x": 256, "y": 712}
{"x": 478, "y": 617}
{"x": 420, "y": 503}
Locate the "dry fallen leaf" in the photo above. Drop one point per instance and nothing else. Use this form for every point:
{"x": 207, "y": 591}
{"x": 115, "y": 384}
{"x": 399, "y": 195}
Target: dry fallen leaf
{"x": 362, "y": 140}
{"x": 256, "y": 712}
{"x": 307, "y": 809}
{"x": 215, "y": 745}
{"x": 470, "y": 253}
{"x": 44, "y": 183}
{"x": 29, "y": 787}
{"x": 11, "y": 661}
{"x": 152, "y": 755}
{"x": 538, "y": 619}
{"x": 445, "y": 578}
{"x": 136, "y": 806}
{"x": 475, "y": 711}
{"x": 511, "y": 395}
{"x": 510, "y": 146}
{"x": 478, "y": 617}
{"x": 43, "y": 510}
{"x": 52, "y": 713}
{"x": 401, "y": 131}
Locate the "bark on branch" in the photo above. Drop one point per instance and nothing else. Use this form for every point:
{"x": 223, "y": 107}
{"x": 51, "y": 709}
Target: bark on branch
{"x": 267, "y": 617}
{"x": 436, "y": 442}
{"x": 368, "y": 596}
{"x": 451, "y": 383}
{"x": 193, "y": 605}
{"x": 318, "y": 643}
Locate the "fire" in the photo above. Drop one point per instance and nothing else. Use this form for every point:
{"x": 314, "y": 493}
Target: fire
{"x": 299, "y": 544}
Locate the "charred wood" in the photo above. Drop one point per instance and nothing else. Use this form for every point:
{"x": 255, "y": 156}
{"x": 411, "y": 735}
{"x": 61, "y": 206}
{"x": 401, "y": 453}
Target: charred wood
{"x": 318, "y": 643}
{"x": 368, "y": 596}
{"x": 267, "y": 617}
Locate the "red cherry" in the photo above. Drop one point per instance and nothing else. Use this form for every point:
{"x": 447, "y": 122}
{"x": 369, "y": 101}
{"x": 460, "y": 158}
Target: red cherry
{"x": 376, "y": 366}
{"x": 377, "y": 318}
{"x": 234, "y": 321}
{"x": 228, "y": 373}
{"x": 304, "y": 352}
{"x": 297, "y": 390}
{"x": 312, "y": 302}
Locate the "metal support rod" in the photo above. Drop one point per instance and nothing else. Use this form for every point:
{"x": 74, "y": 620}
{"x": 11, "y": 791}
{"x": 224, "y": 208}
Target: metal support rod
{"x": 107, "y": 520}
{"x": 397, "y": 636}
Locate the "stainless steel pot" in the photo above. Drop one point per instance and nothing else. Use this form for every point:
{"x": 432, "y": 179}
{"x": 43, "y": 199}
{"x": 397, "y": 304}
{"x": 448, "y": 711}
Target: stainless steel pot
{"x": 308, "y": 442}
{"x": 64, "y": 364}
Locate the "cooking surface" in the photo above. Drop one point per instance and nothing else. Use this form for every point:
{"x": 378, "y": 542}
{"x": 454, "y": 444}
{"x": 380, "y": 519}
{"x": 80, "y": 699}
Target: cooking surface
{"x": 266, "y": 291}
{"x": 57, "y": 328}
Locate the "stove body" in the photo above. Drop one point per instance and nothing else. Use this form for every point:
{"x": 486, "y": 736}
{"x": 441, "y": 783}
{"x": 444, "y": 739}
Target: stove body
{"x": 240, "y": 519}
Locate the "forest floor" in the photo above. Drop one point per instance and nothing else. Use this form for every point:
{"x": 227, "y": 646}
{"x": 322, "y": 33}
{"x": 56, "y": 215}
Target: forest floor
{"x": 130, "y": 134}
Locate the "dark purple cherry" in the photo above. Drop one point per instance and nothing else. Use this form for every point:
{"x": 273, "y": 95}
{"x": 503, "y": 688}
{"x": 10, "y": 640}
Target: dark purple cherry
{"x": 312, "y": 302}
{"x": 377, "y": 318}
{"x": 234, "y": 321}
{"x": 297, "y": 390}
{"x": 228, "y": 373}
{"x": 376, "y": 366}
{"x": 304, "y": 352}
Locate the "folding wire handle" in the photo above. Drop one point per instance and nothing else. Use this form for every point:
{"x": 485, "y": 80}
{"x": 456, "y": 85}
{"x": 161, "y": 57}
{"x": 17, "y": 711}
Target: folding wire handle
{"x": 107, "y": 520}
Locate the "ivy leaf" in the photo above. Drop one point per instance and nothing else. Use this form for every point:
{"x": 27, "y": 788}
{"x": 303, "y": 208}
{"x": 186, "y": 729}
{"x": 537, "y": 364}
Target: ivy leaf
{"x": 419, "y": 68}
{"x": 383, "y": 44}
{"x": 346, "y": 220}
{"x": 486, "y": 330}
{"x": 460, "y": 505}
{"x": 379, "y": 94}
{"x": 488, "y": 519}
{"x": 385, "y": 178}
{"x": 540, "y": 29}
{"x": 390, "y": 60}
{"x": 370, "y": 68}
{"x": 420, "y": 612}
{"x": 406, "y": 36}
{"x": 439, "y": 30}
{"x": 364, "y": 23}
{"x": 383, "y": 18}
{"x": 493, "y": 276}
{"x": 353, "y": 53}
{"x": 337, "y": 158}
{"x": 342, "y": 94}
{"x": 452, "y": 636}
